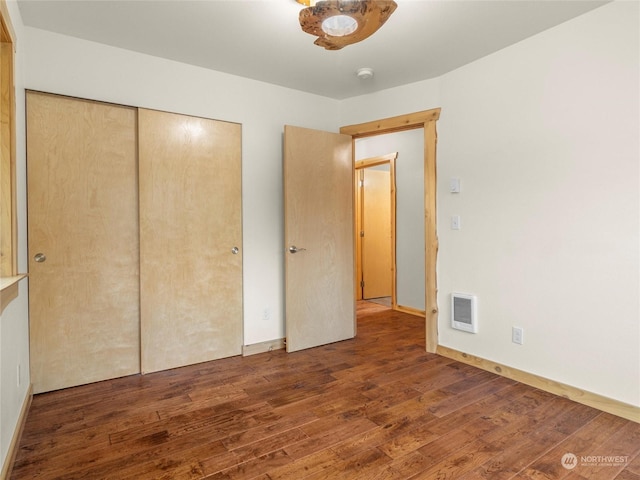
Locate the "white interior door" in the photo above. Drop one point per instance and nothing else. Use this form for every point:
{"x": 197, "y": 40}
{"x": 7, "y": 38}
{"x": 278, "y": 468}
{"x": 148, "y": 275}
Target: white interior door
{"x": 319, "y": 241}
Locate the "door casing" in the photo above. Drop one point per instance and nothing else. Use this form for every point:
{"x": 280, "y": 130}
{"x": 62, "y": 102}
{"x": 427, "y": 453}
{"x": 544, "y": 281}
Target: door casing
{"x": 426, "y": 120}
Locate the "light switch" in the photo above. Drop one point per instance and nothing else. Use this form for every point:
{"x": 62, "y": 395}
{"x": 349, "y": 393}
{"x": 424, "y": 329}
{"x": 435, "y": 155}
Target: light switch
{"x": 454, "y": 185}
{"x": 455, "y": 222}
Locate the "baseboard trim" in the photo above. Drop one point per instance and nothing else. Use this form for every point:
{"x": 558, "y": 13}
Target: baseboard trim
{"x": 263, "y": 347}
{"x": 605, "y": 404}
{"x": 15, "y": 439}
{"x": 410, "y": 311}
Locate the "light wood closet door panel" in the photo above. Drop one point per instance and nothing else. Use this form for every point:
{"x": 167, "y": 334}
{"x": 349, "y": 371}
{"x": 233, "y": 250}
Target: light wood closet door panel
{"x": 319, "y": 218}
{"x": 82, "y": 215}
{"x": 190, "y": 221}
{"x": 376, "y": 243}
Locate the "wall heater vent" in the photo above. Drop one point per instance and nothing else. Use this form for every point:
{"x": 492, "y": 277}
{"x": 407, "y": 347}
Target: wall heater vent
{"x": 464, "y": 312}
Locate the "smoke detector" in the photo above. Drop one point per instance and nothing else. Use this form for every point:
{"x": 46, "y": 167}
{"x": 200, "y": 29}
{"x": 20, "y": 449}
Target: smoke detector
{"x": 364, "y": 73}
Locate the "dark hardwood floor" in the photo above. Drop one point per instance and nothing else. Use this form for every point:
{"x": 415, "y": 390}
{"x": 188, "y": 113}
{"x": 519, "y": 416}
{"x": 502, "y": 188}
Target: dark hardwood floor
{"x": 376, "y": 407}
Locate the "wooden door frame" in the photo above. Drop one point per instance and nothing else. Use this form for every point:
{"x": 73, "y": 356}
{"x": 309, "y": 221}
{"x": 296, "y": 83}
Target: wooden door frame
{"x": 426, "y": 120}
{"x": 390, "y": 159}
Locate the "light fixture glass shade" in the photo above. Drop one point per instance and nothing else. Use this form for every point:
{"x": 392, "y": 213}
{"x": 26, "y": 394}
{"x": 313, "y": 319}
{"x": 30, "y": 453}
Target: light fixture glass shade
{"x": 339, "y": 25}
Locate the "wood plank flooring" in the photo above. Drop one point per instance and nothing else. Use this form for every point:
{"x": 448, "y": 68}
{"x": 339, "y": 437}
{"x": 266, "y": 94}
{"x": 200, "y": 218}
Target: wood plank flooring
{"x": 376, "y": 407}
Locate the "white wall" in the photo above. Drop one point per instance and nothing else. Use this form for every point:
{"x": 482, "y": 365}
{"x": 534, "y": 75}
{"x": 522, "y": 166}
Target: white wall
{"x": 70, "y": 66}
{"x": 14, "y": 322}
{"x": 409, "y": 208}
{"x": 413, "y": 97}
{"x": 544, "y": 136}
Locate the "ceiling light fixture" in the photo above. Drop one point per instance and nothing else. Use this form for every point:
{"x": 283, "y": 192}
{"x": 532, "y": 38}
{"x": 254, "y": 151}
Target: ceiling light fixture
{"x": 338, "y": 23}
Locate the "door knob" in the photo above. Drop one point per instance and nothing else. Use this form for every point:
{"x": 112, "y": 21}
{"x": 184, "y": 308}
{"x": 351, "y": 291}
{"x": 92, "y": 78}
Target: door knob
{"x": 294, "y": 249}
{"x": 39, "y": 257}
{"x": 235, "y": 250}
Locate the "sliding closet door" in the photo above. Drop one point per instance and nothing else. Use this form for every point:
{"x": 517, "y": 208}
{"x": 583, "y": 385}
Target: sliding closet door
{"x": 190, "y": 239}
{"x": 83, "y": 241}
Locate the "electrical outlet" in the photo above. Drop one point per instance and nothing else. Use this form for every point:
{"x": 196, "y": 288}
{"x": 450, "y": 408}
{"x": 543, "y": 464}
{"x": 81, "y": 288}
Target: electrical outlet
{"x": 517, "y": 335}
{"x": 266, "y": 314}
{"x": 18, "y": 379}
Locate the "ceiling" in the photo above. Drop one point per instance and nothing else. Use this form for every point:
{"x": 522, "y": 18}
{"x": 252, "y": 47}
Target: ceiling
{"x": 262, "y": 39}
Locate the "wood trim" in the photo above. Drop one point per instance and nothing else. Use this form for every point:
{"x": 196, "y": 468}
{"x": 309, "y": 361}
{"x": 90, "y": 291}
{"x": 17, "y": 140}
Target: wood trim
{"x": 9, "y": 290}
{"x": 392, "y": 124}
{"x": 15, "y": 439}
{"x": 373, "y": 161}
{"x": 358, "y": 202}
{"x": 355, "y": 204}
{"x": 394, "y": 266}
{"x": 8, "y": 215}
{"x": 409, "y": 310}
{"x": 425, "y": 119}
{"x": 430, "y": 235}
{"x": 262, "y": 347}
{"x": 605, "y": 404}
{"x": 6, "y": 21}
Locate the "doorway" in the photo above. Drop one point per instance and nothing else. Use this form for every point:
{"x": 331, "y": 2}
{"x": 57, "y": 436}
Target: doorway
{"x": 409, "y": 268}
{"x": 426, "y": 121}
{"x": 375, "y": 193}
